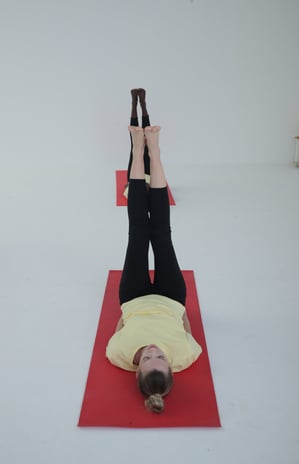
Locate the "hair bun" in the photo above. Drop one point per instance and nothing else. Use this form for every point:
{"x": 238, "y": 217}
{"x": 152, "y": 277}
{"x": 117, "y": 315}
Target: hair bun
{"x": 155, "y": 403}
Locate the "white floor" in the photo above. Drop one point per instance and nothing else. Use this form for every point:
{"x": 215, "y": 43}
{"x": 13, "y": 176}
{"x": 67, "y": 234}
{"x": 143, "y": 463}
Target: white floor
{"x": 236, "y": 227}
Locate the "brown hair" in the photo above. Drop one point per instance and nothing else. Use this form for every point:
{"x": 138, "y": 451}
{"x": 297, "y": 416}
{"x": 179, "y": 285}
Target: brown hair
{"x": 154, "y": 385}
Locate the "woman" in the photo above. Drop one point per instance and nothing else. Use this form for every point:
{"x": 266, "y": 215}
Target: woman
{"x": 153, "y": 336}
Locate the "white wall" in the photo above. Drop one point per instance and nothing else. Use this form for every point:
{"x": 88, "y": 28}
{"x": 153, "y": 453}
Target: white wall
{"x": 222, "y": 78}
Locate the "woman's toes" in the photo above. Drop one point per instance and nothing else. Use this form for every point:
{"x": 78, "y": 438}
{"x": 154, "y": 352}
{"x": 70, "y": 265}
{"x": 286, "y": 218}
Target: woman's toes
{"x": 152, "y": 129}
{"x": 135, "y": 129}
{"x": 156, "y": 128}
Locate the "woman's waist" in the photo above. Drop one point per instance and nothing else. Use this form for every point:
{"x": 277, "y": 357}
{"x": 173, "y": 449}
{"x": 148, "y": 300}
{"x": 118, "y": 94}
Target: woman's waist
{"x": 153, "y": 305}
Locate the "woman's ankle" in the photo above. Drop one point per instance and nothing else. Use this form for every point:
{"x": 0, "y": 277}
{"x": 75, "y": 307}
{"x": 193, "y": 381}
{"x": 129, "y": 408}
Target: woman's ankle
{"x": 137, "y": 152}
{"x": 154, "y": 153}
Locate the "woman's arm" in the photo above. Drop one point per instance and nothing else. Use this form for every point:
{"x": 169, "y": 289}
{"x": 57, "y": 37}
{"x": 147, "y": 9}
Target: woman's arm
{"x": 120, "y": 324}
{"x": 186, "y": 322}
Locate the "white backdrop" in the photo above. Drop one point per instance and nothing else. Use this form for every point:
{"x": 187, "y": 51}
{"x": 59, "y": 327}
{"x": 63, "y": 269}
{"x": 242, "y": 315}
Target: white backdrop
{"x": 222, "y": 77}
{"x": 223, "y": 81}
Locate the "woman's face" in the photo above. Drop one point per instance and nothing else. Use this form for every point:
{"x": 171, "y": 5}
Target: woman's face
{"x": 152, "y": 358}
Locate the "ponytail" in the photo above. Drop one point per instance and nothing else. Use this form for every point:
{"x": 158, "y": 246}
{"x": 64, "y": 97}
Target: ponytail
{"x": 155, "y": 403}
{"x": 155, "y": 384}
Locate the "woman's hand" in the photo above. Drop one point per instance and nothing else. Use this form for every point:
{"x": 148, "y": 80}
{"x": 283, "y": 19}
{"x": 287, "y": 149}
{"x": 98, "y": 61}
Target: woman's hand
{"x": 186, "y": 322}
{"x": 120, "y": 324}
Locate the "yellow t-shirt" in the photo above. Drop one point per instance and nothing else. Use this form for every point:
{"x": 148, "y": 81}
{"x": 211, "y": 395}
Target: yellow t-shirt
{"x": 153, "y": 319}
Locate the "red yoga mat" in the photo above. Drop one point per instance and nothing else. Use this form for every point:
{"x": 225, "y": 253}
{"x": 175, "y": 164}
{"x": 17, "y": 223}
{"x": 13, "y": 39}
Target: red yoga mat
{"x": 121, "y": 182}
{"x": 111, "y": 396}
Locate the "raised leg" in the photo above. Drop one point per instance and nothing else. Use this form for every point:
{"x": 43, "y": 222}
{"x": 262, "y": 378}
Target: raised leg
{"x": 137, "y": 165}
{"x": 158, "y": 179}
{"x": 135, "y": 280}
{"x": 168, "y": 280}
{"x": 134, "y": 94}
{"x": 133, "y": 122}
{"x": 141, "y": 95}
{"x": 145, "y": 123}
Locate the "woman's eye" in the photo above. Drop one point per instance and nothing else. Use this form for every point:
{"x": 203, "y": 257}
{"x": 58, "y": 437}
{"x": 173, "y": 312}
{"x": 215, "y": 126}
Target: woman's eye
{"x": 146, "y": 358}
{"x": 161, "y": 357}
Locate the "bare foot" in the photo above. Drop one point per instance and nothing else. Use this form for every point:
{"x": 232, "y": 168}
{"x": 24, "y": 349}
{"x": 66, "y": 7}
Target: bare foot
{"x": 137, "y": 134}
{"x": 152, "y": 137}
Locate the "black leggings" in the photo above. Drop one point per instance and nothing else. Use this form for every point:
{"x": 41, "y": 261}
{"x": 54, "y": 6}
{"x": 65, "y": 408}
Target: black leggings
{"x": 149, "y": 221}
